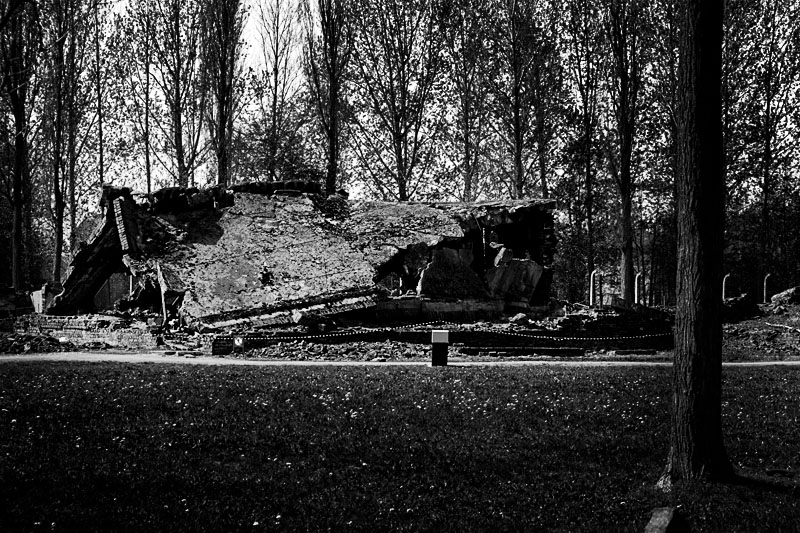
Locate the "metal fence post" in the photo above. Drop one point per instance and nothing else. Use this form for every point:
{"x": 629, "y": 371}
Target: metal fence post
{"x": 636, "y": 287}
{"x": 724, "y": 285}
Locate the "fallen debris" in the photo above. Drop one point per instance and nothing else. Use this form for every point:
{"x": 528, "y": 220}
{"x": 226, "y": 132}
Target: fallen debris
{"x": 24, "y": 343}
{"x": 775, "y": 337}
{"x": 784, "y": 326}
{"x": 789, "y": 296}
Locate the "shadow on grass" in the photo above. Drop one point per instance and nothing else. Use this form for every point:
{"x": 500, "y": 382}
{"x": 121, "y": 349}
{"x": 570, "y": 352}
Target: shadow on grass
{"x": 751, "y": 500}
{"x": 773, "y": 481}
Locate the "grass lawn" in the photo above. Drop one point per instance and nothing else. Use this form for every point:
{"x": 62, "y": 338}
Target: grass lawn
{"x": 137, "y": 447}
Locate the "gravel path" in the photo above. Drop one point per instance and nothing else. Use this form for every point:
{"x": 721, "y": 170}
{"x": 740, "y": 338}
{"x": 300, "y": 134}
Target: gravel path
{"x": 159, "y": 357}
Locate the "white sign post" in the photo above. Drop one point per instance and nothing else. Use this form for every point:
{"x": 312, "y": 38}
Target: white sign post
{"x": 440, "y": 341}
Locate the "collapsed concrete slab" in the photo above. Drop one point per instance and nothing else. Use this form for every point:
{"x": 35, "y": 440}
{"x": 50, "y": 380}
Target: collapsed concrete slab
{"x": 258, "y": 254}
{"x": 447, "y": 275}
{"x": 515, "y": 281}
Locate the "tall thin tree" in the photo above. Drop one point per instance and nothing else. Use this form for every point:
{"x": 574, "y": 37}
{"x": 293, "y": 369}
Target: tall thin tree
{"x": 465, "y": 33}
{"x": 224, "y": 25}
{"x": 513, "y": 43}
{"x": 20, "y": 41}
{"x": 280, "y": 41}
{"x": 328, "y": 49}
{"x": 99, "y": 95}
{"x": 137, "y": 27}
{"x": 586, "y": 62}
{"x": 66, "y": 34}
{"x": 179, "y": 76}
{"x": 624, "y": 24}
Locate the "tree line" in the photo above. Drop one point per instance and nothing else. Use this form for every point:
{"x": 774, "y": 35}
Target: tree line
{"x": 400, "y": 100}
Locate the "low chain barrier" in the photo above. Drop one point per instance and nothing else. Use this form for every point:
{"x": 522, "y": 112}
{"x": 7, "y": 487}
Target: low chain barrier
{"x": 238, "y": 340}
{"x": 619, "y": 337}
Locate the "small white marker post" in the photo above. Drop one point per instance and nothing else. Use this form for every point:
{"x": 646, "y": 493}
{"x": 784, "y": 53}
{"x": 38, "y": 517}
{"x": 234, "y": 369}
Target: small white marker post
{"x": 765, "y": 287}
{"x": 636, "y": 287}
{"x": 591, "y": 287}
{"x": 440, "y": 341}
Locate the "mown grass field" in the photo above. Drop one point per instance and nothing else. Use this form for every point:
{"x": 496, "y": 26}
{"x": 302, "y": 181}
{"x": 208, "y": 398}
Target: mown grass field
{"x": 137, "y": 447}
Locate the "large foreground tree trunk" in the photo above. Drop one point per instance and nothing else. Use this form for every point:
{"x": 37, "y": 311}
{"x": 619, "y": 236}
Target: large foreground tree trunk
{"x": 697, "y": 450}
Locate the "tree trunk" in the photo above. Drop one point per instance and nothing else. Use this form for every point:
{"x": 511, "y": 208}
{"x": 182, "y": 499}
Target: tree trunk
{"x": 333, "y": 50}
{"x": 467, "y": 146}
{"x": 626, "y": 242}
{"x": 57, "y": 177}
{"x": 588, "y": 182}
{"x": 19, "y": 40}
{"x": 542, "y": 153}
{"x": 697, "y": 449}
{"x": 401, "y": 167}
{"x": 17, "y": 198}
{"x": 765, "y": 242}
{"x": 331, "y": 176}
{"x": 73, "y": 126}
{"x": 519, "y": 169}
{"x": 223, "y": 164}
{"x": 72, "y": 148}
{"x": 222, "y": 99}
{"x": 178, "y": 99}
{"x": 148, "y": 170}
{"x": 59, "y": 238}
{"x": 623, "y": 32}
{"x": 180, "y": 157}
{"x": 98, "y": 82}
{"x": 273, "y": 127}
{"x": 541, "y": 132}
{"x": 58, "y": 208}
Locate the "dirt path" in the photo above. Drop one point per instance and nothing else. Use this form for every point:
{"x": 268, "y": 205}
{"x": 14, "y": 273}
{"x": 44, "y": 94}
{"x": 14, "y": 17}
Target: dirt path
{"x": 158, "y": 357}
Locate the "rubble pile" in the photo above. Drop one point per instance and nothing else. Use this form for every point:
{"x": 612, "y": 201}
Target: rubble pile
{"x": 775, "y": 334}
{"x": 24, "y": 343}
{"x": 789, "y": 296}
{"x": 90, "y": 331}
{"x": 608, "y": 322}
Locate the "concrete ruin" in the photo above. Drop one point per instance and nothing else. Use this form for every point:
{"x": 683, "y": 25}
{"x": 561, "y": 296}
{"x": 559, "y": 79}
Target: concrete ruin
{"x": 265, "y": 254}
